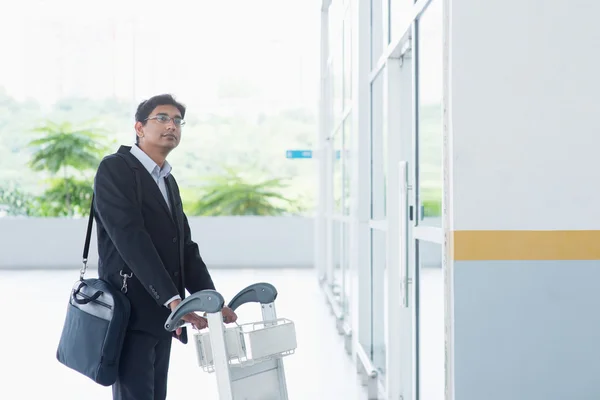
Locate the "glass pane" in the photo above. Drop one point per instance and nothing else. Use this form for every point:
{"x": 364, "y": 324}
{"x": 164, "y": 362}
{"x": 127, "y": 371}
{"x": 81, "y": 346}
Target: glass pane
{"x": 347, "y": 284}
{"x": 400, "y": 17}
{"x": 347, "y": 163}
{"x": 376, "y": 31}
{"x": 431, "y": 321}
{"x": 348, "y": 59}
{"x": 336, "y": 48}
{"x": 430, "y": 131}
{"x": 378, "y": 295}
{"x": 378, "y": 150}
{"x": 338, "y": 273}
{"x": 337, "y": 173}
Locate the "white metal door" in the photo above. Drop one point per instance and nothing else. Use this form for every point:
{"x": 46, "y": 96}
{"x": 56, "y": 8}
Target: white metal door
{"x": 400, "y": 305}
{"x": 427, "y": 236}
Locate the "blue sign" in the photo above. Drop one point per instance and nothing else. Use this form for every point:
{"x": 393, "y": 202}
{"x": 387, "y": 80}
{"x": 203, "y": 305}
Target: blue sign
{"x": 306, "y": 154}
{"x": 298, "y": 154}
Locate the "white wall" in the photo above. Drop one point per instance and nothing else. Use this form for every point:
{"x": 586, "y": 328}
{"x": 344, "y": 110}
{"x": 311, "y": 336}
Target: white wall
{"x": 223, "y": 241}
{"x": 524, "y": 105}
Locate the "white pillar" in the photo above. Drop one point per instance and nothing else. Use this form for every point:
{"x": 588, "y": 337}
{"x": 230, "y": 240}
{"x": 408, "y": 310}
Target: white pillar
{"x": 524, "y": 198}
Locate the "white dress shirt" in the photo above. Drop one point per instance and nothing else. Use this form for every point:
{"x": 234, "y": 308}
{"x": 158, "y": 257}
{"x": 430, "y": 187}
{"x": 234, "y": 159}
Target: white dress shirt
{"x": 159, "y": 175}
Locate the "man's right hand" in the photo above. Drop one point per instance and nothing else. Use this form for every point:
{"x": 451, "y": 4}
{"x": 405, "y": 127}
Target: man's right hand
{"x": 197, "y": 321}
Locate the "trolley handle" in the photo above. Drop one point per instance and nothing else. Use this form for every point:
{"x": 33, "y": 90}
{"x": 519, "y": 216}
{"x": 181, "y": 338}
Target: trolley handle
{"x": 209, "y": 301}
{"x": 263, "y": 293}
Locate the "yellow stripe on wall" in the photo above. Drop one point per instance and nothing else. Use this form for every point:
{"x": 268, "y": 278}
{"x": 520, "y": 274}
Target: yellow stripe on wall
{"x": 526, "y": 245}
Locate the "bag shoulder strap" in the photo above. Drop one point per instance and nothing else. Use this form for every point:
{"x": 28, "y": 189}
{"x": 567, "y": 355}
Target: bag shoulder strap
{"x": 88, "y": 235}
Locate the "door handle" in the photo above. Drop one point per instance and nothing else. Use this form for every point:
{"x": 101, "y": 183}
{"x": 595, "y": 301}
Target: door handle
{"x": 405, "y": 215}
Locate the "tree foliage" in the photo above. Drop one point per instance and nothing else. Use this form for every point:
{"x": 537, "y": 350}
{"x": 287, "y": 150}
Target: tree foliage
{"x": 62, "y": 146}
{"x": 72, "y": 152}
{"x": 53, "y": 203}
{"x": 16, "y": 202}
{"x": 41, "y": 145}
{"x": 232, "y": 194}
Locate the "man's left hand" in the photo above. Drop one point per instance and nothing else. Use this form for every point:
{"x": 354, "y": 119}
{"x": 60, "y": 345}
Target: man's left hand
{"x": 229, "y": 315}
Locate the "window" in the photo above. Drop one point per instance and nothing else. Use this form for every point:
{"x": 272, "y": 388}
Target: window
{"x": 338, "y": 177}
{"x": 346, "y": 160}
{"x": 348, "y": 59}
{"x": 376, "y": 31}
{"x": 399, "y": 17}
{"x": 430, "y": 114}
{"x": 336, "y": 48}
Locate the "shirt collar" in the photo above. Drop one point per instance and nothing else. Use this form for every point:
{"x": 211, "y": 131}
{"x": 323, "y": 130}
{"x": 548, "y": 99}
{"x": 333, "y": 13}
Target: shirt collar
{"x": 149, "y": 164}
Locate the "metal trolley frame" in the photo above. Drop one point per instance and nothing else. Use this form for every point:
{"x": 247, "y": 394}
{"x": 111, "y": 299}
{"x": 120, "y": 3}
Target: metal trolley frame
{"x": 246, "y": 359}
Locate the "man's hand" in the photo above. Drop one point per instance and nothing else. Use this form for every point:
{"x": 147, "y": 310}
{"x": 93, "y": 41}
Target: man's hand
{"x": 197, "y": 321}
{"x": 229, "y": 315}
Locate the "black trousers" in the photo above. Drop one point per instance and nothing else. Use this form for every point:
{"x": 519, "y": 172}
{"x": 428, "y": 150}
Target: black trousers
{"x": 143, "y": 368}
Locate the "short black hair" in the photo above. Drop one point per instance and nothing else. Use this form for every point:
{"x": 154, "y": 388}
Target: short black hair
{"x": 146, "y": 107}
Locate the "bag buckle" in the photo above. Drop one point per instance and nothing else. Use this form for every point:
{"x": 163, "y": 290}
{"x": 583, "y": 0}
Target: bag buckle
{"x": 125, "y": 277}
{"x": 83, "y": 269}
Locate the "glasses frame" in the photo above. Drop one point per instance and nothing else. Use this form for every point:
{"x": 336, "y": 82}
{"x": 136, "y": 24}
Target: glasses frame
{"x": 167, "y": 119}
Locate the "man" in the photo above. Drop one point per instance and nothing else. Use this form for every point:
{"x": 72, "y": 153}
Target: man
{"x": 145, "y": 247}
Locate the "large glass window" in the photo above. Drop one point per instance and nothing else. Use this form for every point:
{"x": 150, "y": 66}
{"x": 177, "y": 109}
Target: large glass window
{"x": 389, "y": 21}
{"x": 430, "y": 127}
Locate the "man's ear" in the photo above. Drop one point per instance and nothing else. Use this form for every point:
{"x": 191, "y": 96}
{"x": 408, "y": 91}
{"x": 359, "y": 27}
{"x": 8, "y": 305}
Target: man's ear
{"x": 138, "y": 129}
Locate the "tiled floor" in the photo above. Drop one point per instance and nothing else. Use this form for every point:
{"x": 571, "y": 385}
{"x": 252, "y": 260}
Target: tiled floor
{"x": 34, "y": 303}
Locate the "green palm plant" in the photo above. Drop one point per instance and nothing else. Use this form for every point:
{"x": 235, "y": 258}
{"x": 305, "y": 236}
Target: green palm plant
{"x": 231, "y": 194}
{"x": 63, "y": 147}
{"x": 52, "y": 203}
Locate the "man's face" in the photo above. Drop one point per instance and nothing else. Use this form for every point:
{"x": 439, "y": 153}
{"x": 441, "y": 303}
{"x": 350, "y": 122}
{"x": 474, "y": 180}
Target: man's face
{"x": 162, "y": 129}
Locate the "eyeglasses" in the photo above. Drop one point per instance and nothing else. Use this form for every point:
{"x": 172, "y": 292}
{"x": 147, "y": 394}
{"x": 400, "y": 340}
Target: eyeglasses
{"x": 165, "y": 119}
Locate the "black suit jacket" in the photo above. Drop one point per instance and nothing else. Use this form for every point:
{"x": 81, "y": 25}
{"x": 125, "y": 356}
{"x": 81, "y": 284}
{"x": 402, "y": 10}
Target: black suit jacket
{"x": 146, "y": 239}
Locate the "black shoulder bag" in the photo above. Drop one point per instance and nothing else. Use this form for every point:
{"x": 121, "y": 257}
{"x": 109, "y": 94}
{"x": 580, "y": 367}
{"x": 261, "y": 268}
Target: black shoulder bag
{"x": 96, "y": 321}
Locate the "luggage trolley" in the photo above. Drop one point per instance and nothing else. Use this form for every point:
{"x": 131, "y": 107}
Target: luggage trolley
{"x": 247, "y": 358}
